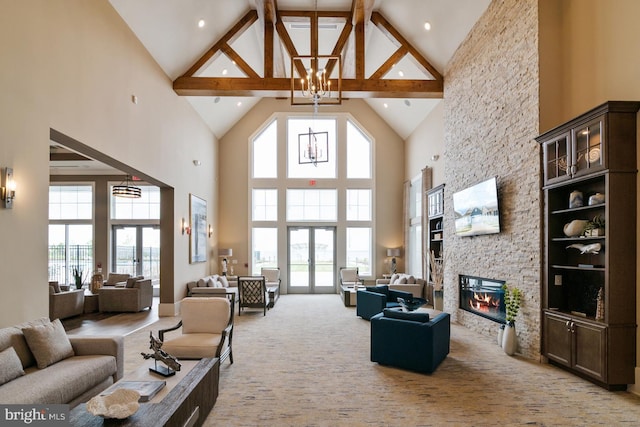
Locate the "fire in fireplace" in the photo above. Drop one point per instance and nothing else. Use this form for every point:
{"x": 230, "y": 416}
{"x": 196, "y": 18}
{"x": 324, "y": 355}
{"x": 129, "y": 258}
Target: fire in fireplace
{"x": 483, "y": 297}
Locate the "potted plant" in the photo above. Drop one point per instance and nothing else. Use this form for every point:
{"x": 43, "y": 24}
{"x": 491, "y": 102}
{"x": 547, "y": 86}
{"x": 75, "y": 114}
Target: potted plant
{"x": 512, "y": 296}
{"x": 594, "y": 227}
{"x": 78, "y": 277}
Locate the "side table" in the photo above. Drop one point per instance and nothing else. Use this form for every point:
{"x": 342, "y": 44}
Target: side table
{"x": 91, "y": 302}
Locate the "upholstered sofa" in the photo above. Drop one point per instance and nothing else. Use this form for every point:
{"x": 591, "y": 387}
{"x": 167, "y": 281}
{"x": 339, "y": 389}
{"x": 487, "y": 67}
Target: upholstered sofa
{"x": 63, "y": 304}
{"x": 117, "y": 279}
{"x": 41, "y": 364}
{"x": 136, "y": 295}
{"x": 407, "y": 283}
{"x": 214, "y": 285}
{"x": 410, "y": 340}
{"x": 373, "y": 299}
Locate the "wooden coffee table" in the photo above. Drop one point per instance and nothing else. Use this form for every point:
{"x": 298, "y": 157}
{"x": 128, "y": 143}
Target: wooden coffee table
{"x": 187, "y": 398}
{"x": 349, "y": 294}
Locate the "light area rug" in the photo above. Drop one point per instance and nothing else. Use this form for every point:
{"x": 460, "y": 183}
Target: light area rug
{"x": 306, "y": 363}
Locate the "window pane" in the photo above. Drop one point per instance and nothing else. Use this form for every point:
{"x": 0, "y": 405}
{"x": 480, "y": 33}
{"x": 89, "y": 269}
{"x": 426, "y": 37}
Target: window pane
{"x": 265, "y": 205}
{"x": 70, "y": 202}
{"x": 414, "y": 257}
{"x": 415, "y": 196}
{"x": 70, "y": 246}
{"x": 359, "y": 249}
{"x": 146, "y": 207}
{"x": 358, "y": 205}
{"x": 312, "y": 205}
{"x": 265, "y": 249}
{"x": 358, "y": 153}
{"x": 300, "y": 142}
{"x": 265, "y": 152}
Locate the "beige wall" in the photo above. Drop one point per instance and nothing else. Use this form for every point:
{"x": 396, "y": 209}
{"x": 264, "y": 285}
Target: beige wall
{"x": 73, "y": 65}
{"x": 600, "y": 63}
{"x": 234, "y": 172}
{"x": 426, "y": 141}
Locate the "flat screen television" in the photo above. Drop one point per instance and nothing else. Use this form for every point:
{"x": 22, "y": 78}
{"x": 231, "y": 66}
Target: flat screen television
{"x": 476, "y": 209}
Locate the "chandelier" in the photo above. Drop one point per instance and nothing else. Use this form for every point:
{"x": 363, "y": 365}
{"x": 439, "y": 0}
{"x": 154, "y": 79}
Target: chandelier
{"x": 126, "y": 190}
{"x": 311, "y": 82}
{"x": 313, "y": 147}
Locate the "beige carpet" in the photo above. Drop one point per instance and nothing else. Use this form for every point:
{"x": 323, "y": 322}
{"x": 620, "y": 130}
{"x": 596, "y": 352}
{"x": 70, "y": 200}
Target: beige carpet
{"x": 307, "y": 364}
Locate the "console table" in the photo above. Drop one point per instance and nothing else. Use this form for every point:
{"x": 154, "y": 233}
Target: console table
{"x": 187, "y": 398}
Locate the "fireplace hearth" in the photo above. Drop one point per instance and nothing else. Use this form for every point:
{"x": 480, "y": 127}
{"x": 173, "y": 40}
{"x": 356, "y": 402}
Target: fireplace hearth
{"x": 483, "y": 297}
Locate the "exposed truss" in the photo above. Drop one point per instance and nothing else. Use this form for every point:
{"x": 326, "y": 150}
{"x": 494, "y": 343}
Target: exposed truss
{"x": 350, "y": 44}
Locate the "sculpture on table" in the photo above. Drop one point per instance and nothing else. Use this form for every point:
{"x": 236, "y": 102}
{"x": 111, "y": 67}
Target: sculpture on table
{"x": 162, "y": 356}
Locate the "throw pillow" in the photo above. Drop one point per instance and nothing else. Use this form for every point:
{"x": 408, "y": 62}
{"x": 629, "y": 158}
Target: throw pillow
{"x": 411, "y": 280}
{"x": 131, "y": 281}
{"x": 224, "y": 281}
{"x": 394, "y": 278}
{"x": 56, "y": 287}
{"x": 402, "y": 281}
{"x": 211, "y": 283}
{"x": 406, "y": 315}
{"x": 11, "y": 365}
{"x": 49, "y": 343}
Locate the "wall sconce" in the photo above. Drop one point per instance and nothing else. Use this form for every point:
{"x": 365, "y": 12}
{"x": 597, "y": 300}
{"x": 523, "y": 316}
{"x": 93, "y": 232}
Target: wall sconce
{"x": 435, "y": 157}
{"x": 185, "y": 227}
{"x": 210, "y": 230}
{"x": 8, "y": 188}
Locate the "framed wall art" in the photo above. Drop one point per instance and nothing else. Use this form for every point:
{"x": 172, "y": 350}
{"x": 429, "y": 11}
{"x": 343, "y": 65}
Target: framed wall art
{"x": 198, "y": 235}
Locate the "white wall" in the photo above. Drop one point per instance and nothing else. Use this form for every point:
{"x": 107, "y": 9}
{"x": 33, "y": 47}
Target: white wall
{"x": 426, "y": 141}
{"x": 72, "y": 65}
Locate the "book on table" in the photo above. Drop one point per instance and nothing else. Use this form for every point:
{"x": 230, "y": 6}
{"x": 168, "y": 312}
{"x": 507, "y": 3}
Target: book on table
{"x": 147, "y": 389}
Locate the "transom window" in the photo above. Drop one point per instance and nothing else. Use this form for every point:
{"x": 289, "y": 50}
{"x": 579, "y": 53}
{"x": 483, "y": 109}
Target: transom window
{"x": 146, "y": 207}
{"x": 312, "y": 205}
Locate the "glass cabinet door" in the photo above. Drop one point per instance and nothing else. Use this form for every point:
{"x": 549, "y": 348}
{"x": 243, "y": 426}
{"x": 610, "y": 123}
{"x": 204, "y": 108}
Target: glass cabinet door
{"x": 557, "y": 160}
{"x": 588, "y": 147}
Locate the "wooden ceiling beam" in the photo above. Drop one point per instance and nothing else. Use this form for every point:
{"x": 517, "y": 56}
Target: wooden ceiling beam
{"x": 393, "y": 34}
{"x": 236, "y": 31}
{"x": 281, "y": 87}
{"x": 389, "y": 63}
{"x": 240, "y": 63}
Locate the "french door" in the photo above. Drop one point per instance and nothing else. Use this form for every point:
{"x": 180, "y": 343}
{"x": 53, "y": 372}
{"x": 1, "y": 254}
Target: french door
{"x": 136, "y": 250}
{"x": 312, "y": 253}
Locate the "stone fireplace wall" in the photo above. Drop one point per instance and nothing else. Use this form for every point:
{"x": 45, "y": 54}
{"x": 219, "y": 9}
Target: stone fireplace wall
{"x": 491, "y": 119}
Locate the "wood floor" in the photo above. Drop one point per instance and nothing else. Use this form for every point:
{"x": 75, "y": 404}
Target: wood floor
{"x": 117, "y": 324}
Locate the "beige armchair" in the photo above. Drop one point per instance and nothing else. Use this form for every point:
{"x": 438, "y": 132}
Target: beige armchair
{"x": 272, "y": 276}
{"x": 65, "y": 304}
{"x": 207, "y": 329}
{"x": 135, "y": 296}
{"x": 349, "y": 276}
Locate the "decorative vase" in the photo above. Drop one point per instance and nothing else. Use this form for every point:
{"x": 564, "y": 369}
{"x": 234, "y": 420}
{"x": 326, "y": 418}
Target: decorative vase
{"x": 96, "y": 281}
{"x": 575, "y": 199}
{"x": 596, "y": 199}
{"x": 500, "y": 335}
{"x": 575, "y": 228}
{"x": 509, "y": 339}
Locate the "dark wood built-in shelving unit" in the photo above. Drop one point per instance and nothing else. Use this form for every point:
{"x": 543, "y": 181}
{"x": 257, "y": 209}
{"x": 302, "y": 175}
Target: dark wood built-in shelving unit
{"x": 435, "y": 233}
{"x": 593, "y": 153}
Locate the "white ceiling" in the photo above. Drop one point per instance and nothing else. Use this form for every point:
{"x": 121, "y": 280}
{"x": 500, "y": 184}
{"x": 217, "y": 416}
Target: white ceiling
{"x": 169, "y": 31}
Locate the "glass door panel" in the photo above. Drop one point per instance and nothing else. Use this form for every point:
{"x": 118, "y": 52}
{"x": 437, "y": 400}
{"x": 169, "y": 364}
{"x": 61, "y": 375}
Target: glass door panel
{"x": 324, "y": 260}
{"x": 125, "y": 250}
{"x": 299, "y": 259}
{"x": 150, "y": 265}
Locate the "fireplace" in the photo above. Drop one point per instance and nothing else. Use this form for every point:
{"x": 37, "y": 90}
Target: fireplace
{"x": 483, "y": 297}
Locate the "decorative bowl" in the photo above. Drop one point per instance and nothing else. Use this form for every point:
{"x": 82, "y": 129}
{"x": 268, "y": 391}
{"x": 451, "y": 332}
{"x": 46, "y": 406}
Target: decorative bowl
{"x": 411, "y": 304}
{"x": 120, "y": 404}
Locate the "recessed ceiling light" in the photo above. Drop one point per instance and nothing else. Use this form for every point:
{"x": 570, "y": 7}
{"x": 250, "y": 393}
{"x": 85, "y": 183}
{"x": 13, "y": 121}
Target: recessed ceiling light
{"x": 427, "y": 26}
{"x": 201, "y": 23}
{"x": 407, "y": 103}
{"x": 216, "y": 100}
{"x": 401, "y": 73}
{"x": 385, "y": 105}
{"x": 224, "y": 72}
{"x": 239, "y": 104}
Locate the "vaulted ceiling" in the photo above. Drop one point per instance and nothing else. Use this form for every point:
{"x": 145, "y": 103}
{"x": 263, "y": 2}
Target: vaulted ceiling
{"x": 243, "y": 51}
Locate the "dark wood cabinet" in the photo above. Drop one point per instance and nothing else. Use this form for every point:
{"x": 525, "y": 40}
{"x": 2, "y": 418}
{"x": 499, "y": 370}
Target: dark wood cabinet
{"x": 592, "y": 156}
